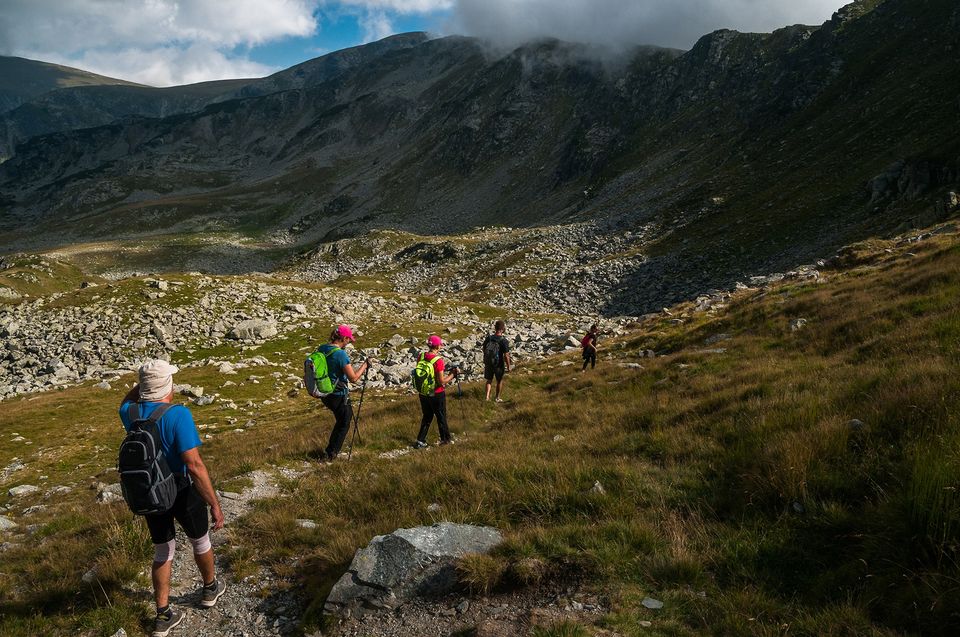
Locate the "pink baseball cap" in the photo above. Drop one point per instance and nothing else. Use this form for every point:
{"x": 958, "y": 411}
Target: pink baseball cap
{"x": 434, "y": 341}
{"x": 345, "y": 332}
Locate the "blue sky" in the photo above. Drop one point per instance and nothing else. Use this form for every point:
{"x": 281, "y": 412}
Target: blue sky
{"x": 339, "y": 30}
{"x": 167, "y": 42}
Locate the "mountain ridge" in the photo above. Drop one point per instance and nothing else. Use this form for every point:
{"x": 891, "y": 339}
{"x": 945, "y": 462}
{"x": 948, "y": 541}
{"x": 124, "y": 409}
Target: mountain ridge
{"x": 748, "y": 153}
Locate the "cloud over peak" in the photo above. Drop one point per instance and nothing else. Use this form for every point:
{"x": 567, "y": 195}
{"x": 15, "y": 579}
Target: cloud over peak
{"x": 619, "y": 23}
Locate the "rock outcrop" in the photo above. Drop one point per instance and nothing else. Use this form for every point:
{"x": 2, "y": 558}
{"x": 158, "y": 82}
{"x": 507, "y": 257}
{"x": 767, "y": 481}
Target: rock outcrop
{"x": 407, "y": 564}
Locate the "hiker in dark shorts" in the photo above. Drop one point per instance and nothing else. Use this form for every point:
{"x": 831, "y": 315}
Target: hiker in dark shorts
{"x": 496, "y": 358}
{"x": 589, "y": 345}
{"x": 342, "y": 374}
{"x": 435, "y": 404}
{"x": 180, "y": 446}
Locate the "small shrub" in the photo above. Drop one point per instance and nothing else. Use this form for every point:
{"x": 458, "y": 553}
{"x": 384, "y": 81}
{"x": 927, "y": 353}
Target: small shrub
{"x": 528, "y": 572}
{"x": 481, "y": 573}
{"x": 562, "y": 629}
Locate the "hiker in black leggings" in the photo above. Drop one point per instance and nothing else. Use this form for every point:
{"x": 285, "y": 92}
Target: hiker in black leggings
{"x": 435, "y": 404}
{"x": 589, "y": 345}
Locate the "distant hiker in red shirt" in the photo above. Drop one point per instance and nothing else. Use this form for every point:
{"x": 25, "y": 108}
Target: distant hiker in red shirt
{"x": 429, "y": 379}
{"x": 589, "y": 345}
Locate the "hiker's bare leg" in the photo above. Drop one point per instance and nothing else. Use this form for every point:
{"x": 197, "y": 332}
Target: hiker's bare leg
{"x": 205, "y": 566}
{"x": 489, "y": 387}
{"x": 160, "y": 574}
{"x": 499, "y": 387}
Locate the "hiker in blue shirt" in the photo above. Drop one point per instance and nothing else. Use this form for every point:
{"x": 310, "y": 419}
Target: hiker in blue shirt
{"x": 180, "y": 444}
{"x": 342, "y": 374}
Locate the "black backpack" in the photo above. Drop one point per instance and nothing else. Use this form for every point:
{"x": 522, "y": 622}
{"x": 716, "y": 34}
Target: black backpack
{"x": 491, "y": 351}
{"x": 148, "y": 485}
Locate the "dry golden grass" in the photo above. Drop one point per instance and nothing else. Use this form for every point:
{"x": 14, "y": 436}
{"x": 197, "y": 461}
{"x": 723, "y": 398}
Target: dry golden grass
{"x": 734, "y": 487}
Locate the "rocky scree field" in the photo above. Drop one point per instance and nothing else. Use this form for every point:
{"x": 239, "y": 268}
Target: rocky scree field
{"x": 748, "y": 154}
{"x": 785, "y": 463}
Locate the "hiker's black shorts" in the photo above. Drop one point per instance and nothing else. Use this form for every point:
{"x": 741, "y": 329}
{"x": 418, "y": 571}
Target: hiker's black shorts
{"x": 189, "y": 510}
{"x": 489, "y": 371}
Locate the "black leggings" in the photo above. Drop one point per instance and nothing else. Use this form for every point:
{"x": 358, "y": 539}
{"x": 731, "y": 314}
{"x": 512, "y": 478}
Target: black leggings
{"x": 589, "y": 356}
{"x": 343, "y": 411}
{"x": 434, "y": 406}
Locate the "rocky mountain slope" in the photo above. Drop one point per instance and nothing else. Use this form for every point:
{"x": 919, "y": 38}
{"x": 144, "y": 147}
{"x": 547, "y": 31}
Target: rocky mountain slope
{"x": 72, "y": 105}
{"x": 22, "y": 80}
{"x": 748, "y": 154}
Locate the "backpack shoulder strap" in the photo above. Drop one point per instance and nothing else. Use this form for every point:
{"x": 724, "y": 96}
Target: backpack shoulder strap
{"x": 159, "y": 412}
{"x": 332, "y": 351}
{"x": 133, "y": 412}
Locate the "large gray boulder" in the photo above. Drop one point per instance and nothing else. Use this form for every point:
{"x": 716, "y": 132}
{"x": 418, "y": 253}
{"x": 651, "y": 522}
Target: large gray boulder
{"x": 406, "y": 564}
{"x": 253, "y": 329}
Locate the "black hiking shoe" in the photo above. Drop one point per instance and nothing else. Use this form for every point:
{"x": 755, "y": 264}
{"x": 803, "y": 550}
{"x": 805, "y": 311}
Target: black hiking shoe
{"x": 420, "y": 445}
{"x": 212, "y": 593}
{"x": 166, "y": 621}
{"x": 446, "y": 442}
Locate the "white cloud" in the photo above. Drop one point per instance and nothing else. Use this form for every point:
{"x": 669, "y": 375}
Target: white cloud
{"x": 376, "y": 26}
{"x": 75, "y": 25}
{"x": 142, "y": 40}
{"x": 617, "y": 23}
{"x": 406, "y": 7}
{"x": 164, "y": 65}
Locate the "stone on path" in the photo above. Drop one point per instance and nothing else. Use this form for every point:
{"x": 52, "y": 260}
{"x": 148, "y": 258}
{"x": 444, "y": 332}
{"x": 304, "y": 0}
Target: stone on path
{"x": 408, "y": 563}
{"x": 6, "y": 523}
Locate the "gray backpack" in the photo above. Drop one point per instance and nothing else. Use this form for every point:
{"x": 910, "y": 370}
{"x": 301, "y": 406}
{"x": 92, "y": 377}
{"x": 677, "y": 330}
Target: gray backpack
{"x": 148, "y": 485}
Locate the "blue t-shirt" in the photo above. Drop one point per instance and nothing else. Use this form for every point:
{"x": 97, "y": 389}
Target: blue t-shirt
{"x": 178, "y": 433}
{"x": 336, "y": 362}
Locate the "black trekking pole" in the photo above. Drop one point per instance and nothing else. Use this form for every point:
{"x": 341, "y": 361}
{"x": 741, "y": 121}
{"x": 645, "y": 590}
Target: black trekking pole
{"x": 356, "y": 416}
{"x": 463, "y": 415}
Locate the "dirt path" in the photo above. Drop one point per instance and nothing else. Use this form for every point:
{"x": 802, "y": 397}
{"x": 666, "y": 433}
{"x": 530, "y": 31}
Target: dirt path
{"x": 246, "y": 609}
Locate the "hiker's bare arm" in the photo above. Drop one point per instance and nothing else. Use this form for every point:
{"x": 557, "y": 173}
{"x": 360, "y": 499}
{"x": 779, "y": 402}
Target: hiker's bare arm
{"x": 508, "y": 361}
{"x": 353, "y": 375}
{"x": 201, "y": 480}
{"x": 132, "y": 396}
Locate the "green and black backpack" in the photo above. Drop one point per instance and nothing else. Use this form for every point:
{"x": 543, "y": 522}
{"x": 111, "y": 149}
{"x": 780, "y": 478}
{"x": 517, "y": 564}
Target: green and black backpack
{"x": 425, "y": 376}
{"x": 316, "y": 374}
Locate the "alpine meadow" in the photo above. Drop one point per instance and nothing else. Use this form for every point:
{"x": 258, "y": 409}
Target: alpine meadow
{"x": 479, "y": 332}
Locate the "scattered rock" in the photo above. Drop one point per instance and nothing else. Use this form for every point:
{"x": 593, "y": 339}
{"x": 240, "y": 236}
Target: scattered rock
{"x": 598, "y": 489}
{"x": 306, "y": 524}
{"x": 408, "y": 563}
{"x": 295, "y": 308}
{"x": 652, "y": 604}
{"x": 434, "y": 508}
{"x": 798, "y": 324}
{"x": 252, "y": 329}
{"x": 6, "y": 523}
{"x": 23, "y": 489}
{"x": 202, "y": 401}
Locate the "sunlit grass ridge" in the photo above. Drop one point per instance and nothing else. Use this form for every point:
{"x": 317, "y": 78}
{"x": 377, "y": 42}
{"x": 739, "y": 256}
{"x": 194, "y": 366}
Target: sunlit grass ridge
{"x": 778, "y": 481}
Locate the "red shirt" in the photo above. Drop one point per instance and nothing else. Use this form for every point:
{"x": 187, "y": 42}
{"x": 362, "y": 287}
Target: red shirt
{"x": 437, "y": 367}
{"x": 589, "y": 339}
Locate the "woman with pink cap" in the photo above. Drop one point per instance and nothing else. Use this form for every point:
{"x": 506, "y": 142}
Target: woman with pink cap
{"x": 341, "y": 374}
{"x": 435, "y": 403}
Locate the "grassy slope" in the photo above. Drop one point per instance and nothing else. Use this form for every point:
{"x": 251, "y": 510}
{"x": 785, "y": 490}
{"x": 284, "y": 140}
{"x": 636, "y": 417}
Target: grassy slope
{"x": 29, "y": 78}
{"x": 736, "y": 491}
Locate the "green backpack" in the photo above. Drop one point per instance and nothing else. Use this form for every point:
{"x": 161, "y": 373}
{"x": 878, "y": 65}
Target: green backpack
{"x": 316, "y": 374}
{"x": 425, "y": 376}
